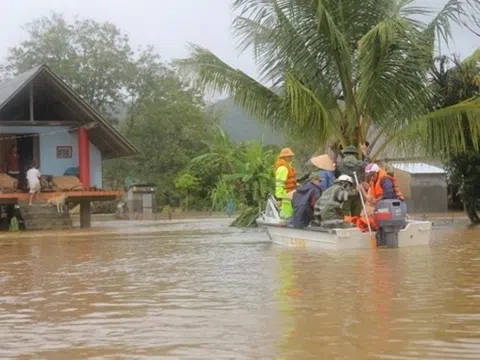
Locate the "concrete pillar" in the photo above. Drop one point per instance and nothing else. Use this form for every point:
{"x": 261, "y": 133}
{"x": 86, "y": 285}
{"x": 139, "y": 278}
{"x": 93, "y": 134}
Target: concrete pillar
{"x": 85, "y": 214}
{"x": 84, "y": 157}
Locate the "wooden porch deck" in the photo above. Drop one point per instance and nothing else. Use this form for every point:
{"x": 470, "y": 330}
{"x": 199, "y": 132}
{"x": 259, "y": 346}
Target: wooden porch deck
{"x": 83, "y": 197}
{"x": 93, "y": 195}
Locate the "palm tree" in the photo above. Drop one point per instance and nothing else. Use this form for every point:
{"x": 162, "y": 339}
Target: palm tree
{"x": 453, "y": 85}
{"x": 340, "y": 70}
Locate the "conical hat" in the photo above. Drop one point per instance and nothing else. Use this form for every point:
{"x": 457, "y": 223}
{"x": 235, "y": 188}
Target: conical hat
{"x": 323, "y": 162}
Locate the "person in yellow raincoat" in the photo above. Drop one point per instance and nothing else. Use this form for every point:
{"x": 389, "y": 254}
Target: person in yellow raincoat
{"x": 285, "y": 182}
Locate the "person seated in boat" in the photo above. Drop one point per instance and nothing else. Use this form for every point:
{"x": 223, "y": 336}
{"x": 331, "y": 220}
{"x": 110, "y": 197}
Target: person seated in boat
{"x": 304, "y": 200}
{"x": 326, "y": 170}
{"x": 285, "y": 182}
{"x": 329, "y": 207}
{"x": 366, "y": 216}
{"x": 382, "y": 185}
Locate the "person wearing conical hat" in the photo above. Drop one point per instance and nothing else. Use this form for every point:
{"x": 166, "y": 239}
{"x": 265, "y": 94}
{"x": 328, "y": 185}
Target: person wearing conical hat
{"x": 347, "y": 166}
{"x": 285, "y": 182}
{"x": 326, "y": 170}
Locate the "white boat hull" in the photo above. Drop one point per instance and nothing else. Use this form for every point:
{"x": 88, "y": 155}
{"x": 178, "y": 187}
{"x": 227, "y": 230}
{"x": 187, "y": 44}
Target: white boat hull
{"x": 415, "y": 233}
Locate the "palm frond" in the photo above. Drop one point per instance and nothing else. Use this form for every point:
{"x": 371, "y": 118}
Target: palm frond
{"x": 308, "y": 112}
{"x": 208, "y": 72}
{"x": 392, "y": 71}
{"x": 452, "y": 12}
{"x": 339, "y": 68}
{"x": 445, "y": 132}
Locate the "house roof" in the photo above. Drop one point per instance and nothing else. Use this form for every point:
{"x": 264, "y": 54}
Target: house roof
{"x": 10, "y": 88}
{"x": 418, "y": 168}
{"x": 104, "y": 136}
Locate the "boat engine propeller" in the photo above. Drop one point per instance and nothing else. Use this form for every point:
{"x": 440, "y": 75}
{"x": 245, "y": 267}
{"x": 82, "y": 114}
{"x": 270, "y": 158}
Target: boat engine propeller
{"x": 390, "y": 216}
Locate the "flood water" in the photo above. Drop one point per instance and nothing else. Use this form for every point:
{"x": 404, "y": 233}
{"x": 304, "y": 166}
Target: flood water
{"x": 205, "y": 291}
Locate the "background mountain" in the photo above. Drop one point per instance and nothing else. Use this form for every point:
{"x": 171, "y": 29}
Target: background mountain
{"x": 242, "y": 127}
{"x": 233, "y": 119}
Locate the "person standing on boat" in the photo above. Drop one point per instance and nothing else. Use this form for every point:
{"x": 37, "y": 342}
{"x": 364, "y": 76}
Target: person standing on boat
{"x": 329, "y": 208}
{"x": 326, "y": 170}
{"x": 285, "y": 182}
{"x": 304, "y": 200}
{"x": 347, "y": 166}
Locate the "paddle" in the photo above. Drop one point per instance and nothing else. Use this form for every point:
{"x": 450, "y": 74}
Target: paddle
{"x": 373, "y": 241}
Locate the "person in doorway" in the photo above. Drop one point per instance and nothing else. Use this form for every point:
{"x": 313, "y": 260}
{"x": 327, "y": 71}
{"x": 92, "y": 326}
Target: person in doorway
{"x": 326, "y": 170}
{"x": 304, "y": 200}
{"x": 33, "y": 179}
{"x": 13, "y": 163}
{"x": 285, "y": 182}
{"x": 329, "y": 208}
{"x": 347, "y": 166}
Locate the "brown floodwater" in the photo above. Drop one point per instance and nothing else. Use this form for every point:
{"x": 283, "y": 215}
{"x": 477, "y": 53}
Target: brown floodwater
{"x": 202, "y": 290}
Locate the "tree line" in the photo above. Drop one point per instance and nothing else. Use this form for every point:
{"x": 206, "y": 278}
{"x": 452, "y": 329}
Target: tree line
{"x": 340, "y": 75}
{"x": 343, "y": 72}
{"x": 164, "y": 117}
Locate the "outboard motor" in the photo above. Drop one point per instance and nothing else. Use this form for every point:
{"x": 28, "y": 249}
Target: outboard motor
{"x": 390, "y": 217}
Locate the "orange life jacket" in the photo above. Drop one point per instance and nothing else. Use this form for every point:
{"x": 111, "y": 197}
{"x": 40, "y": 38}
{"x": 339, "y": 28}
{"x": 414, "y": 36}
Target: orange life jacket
{"x": 376, "y": 190}
{"x": 291, "y": 182}
{"x": 361, "y": 222}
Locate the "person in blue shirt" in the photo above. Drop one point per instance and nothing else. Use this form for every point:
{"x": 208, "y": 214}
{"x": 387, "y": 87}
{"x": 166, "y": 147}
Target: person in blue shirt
{"x": 303, "y": 201}
{"x": 326, "y": 171}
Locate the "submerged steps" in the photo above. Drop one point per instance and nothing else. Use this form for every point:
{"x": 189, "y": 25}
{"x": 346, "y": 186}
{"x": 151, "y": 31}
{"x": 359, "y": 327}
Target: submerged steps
{"x": 41, "y": 217}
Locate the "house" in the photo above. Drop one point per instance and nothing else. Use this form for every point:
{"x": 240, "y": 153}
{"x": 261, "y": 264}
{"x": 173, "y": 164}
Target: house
{"x": 422, "y": 180}
{"x": 423, "y": 185}
{"x": 53, "y": 125}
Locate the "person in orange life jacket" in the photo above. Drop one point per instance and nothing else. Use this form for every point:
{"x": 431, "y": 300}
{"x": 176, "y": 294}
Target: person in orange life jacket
{"x": 366, "y": 216}
{"x": 285, "y": 182}
{"x": 382, "y": 185}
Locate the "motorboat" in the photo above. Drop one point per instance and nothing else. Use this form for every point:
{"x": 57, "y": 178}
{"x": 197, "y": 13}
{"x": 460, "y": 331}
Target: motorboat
{"x": 410, "y": 233}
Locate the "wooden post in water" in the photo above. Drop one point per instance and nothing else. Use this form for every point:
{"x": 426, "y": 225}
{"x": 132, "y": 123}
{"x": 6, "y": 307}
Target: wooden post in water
{"x": 85, "y": 214}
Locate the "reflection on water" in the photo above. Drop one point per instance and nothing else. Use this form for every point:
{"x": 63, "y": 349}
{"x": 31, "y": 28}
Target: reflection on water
{"x": 205, "y": 291}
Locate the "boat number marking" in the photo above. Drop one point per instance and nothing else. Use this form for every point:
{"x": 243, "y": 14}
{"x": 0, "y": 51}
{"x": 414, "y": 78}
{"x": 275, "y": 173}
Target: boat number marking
{"x": 298, "y": 243}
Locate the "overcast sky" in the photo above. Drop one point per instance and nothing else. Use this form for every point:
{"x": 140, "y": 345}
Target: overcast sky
{"x": 167, "y": 24}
